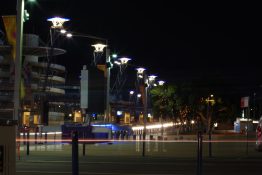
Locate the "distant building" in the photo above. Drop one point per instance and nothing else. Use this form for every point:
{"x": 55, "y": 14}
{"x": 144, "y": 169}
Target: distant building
{"x": 38, "y": 79}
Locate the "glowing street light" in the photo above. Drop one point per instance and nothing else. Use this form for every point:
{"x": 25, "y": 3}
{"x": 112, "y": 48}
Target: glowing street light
{"x": 140, "y": 70}
{"x": 57, "y": 22}
{"x": 161, "y": 82}
{"x": 63, "y": 31}
{"x": 69, "y": 35}
{"x": 124, "y": 60}
{"x": 99, "y": 47}
{"x": 151, "y": 78}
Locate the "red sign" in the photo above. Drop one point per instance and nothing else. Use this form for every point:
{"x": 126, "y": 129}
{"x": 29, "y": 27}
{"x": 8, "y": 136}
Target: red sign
{"x": 244, "y": 102}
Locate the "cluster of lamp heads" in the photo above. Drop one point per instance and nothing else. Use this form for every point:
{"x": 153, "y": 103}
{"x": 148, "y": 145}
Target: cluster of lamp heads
{"x": 58, "y": 24}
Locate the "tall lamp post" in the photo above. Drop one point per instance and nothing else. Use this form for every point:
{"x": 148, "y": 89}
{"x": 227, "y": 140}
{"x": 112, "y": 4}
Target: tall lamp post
{"x": 19, "y": 46}
{"x": 98, "y": 51}
{"x": 141, "y": 74}
{"x": 161, "y": 83}
{"x": 210, "y": 101}
{"x": 120, "y": 80}
{"x": 57, "y": 24}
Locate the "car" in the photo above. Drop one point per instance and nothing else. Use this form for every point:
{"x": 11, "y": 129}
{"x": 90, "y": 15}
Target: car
{"x": 259, "y": 135}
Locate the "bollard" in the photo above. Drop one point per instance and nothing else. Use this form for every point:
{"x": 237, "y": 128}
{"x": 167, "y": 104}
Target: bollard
{"x": 74, "y": 153}
{"x": 54, "y": 137}
{"x": 46, "y": 137}
{"x": 27, "y": 143}
{"x": 35, "y": 137}
{"x": 84, "y": 149}
{"x": 24, "y": 138}
{"x": 18, "y": 150}
{"x": 84, "y": 145}
{"x": 144, "y": 144}
{"x": 209, "y": 144}
{"x": 199, "y": 152}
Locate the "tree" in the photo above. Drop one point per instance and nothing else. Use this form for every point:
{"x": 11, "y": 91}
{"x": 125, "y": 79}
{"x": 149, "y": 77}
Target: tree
{"x": 163, "y": 100}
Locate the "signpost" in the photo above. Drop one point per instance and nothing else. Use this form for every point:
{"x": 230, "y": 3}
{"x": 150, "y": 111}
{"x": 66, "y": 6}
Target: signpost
{"x": 244, "y": 103}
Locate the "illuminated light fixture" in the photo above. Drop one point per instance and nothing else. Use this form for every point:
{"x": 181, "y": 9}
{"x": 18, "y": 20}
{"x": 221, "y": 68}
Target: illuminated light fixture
{"x": 161, "y": 82}
{"x": 70, "y": 115}
{"x": 192, "y": 121}
{"x": 140, "y": 70}
{"x": 117, "y": 62}
{"x": 124, "y": 60}
{"x": 138, "y": 95}
{"x": 131, "y": 92}
{"x": 134, "y": 128}
{"x": 119, "y": 113}
{"x": 114, "y": 56}
{"x": 99, "y": 47}
{"x": 152, "y": 77}
{"x": 167, "y": 124}
{"x": 215, "y": 124}
{"x": 69, "y": 35}
{"x": 57, "y": 22}
{"x": 155, "y": 84}
{"x": 103, "y": 125}
{"x": 140, "y": 76}
{"x": 156, "y": 126}
{"x": 63, "y": 31}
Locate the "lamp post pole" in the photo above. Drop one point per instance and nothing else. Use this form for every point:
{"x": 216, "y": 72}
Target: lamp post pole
{"x": 99, "y": 49}
{"x": 209, "y": 123}
{"x": 107, "y": 112}
{"x": 18, "y": 59}
{"x": 145, "y": 120}
{"x": 142, "y": 75}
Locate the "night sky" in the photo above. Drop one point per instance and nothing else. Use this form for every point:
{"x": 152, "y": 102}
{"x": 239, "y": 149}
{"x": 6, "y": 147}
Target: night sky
{"x": 207, "y": 43}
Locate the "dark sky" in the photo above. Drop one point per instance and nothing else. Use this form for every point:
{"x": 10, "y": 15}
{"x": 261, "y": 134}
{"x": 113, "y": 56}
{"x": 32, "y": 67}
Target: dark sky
{"x": 212, "y": 42}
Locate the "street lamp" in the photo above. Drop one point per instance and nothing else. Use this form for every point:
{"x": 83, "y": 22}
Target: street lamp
{"x": 57, "y": 24}
{"x": 210, "y": 101}
{"x": 141, "y": 74}
{"x": 99, "y": 48}
{"x": 98, "y": 52}
{"x": 161, "y": 82}
{"x": 120, "y": 79}
{"x": 131, "y": 94}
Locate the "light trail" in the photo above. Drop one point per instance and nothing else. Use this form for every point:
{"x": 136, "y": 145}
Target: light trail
{"x": 114, "y": 140}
